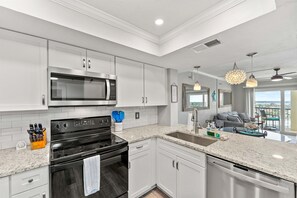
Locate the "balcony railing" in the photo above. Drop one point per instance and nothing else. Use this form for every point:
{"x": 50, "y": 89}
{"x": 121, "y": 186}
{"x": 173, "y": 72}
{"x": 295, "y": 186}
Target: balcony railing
{"x": 275, "y": 112}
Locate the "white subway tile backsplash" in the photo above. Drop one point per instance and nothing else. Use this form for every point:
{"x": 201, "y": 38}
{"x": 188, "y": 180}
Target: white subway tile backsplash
{"x": 14, "y": 125}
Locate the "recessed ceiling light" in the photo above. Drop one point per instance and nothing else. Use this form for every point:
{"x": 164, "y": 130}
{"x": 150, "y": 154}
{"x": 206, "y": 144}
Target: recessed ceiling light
{"x": 159, "y": 22}
{"x": 277, "y": 156}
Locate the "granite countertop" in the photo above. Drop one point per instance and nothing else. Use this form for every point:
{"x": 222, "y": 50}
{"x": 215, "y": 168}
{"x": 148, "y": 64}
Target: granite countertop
{"x": 13, "y": 161}
{"x": 252, "y": 152}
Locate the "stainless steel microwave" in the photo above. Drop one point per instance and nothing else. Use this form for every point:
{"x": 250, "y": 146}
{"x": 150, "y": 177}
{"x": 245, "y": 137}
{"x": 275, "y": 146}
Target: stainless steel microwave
{"x": 69, "y": 87}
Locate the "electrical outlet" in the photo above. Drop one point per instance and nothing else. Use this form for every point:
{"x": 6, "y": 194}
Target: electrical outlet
{"x": 137, "y": 115}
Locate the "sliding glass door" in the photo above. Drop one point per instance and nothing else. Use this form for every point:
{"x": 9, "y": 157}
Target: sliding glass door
{"x": 277, "y": 109}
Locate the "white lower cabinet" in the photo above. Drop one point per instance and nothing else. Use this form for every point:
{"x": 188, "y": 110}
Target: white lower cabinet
{"x": 142, "y": 167}
{"x": 39, "y": 192}
{"x": 181, "y": 172}
{"x": 29, "y": 184}
{"x": 4, "y": 187}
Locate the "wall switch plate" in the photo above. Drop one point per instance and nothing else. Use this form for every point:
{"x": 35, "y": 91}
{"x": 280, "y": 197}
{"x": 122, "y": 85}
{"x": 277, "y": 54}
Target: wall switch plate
{"x": 137, "y": 115}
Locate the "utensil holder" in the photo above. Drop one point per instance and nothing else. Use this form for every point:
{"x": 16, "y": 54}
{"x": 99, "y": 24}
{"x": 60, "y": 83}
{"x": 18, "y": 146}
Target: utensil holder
{"x": 118, "y": 126}
{"x": 39, "y": 144}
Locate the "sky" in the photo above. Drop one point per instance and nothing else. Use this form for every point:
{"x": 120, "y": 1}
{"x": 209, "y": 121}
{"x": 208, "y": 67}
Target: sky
{"x": 272, "y": 96}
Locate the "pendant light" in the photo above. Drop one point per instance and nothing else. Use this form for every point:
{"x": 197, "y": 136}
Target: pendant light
{"x": 197, "y": 86}
{"x": 236, "y": 76}
{"x": 252, "y": 81}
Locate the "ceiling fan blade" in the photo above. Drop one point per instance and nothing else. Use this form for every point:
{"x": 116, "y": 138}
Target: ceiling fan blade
{"x": 287, "y": 73}
{"x": 288, "y": 77}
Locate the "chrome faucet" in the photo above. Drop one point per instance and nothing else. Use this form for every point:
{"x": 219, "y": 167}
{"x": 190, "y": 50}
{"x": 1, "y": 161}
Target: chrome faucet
{"x": 196, "y": 125}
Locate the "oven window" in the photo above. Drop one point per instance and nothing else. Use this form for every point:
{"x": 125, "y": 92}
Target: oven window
{"x": 67, "y": 180}
{"x": 66, "y": 87}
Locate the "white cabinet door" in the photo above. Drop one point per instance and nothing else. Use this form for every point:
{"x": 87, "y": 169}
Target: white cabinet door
{"x": 140, "y": 173}
{"x": 190, "y": 179}
{"x": 67, "y": 56}
{"x": 155, "y": 85}
{"x": 100, "y": 63}
{"x": 129, "y": 83}
{"x": 39, "y": 192}
{"x": 166, "y": 172}
{"x": 23, "y": 76}
{"x": 4, "y": 187}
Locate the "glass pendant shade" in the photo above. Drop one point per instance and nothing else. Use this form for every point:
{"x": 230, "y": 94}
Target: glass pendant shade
{"x": 251, "y": 82}
{"x": 236, "y": 76}
{"x": 197, "y": 86}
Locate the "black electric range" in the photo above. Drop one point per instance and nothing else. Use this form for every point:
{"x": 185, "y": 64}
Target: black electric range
{"x": 73, "y": 140}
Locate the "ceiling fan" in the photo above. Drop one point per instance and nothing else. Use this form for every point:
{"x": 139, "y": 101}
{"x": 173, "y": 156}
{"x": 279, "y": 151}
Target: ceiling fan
{"x": 279, "y": 77}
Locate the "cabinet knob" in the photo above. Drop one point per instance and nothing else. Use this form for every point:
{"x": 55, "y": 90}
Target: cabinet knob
{"x": 84, "y": 63}
{"x": 30, "y": 180}
{"x": 89, "y": 64}
{"x": 43, "y": 195}
{"x": 173, "y": 162}
{"x": 177, "y": 165}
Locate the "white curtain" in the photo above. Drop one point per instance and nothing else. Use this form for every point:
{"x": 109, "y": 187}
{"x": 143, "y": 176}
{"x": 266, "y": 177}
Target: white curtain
{"x": 249, "y": 101}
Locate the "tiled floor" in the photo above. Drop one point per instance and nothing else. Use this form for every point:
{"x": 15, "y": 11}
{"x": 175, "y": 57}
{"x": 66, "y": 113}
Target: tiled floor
{"x": 155, "y": 193}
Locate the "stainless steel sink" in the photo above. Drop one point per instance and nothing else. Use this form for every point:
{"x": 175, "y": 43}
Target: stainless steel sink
{"x": 192, "y": 138}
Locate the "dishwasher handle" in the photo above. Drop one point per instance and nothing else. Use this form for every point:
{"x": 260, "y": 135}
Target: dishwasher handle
{"x": 257, "y": 182}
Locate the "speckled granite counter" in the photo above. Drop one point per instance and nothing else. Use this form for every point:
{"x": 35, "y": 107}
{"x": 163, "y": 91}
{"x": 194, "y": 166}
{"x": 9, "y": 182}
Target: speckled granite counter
{"x": 256, "y": 153}
{"x": 13, "y": 161}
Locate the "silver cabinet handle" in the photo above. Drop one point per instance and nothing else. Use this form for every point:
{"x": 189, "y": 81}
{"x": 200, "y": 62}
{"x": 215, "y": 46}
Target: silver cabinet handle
{"x": 177, "y": 165}
{"x": 89, "y": 64}
{"x": 173, "y": 162}
{"x": 145, "y": 99}
{"x": 30, "y": 180}
{"x": 142, "y": 99}
{"x": 43, "y": 99}
{"x": 139, "y": 147}
{"x": 43, "y": 195}
{"x": 84, "y": 63}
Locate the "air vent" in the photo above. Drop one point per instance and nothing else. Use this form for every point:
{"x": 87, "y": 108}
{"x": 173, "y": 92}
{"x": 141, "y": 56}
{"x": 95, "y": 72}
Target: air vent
{"x": 201, "y": 47}
{"x": 213, "y": 43}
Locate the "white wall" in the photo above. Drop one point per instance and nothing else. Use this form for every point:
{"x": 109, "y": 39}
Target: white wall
{"x": 205, "y": 114}
{"x": 14, "y": 125}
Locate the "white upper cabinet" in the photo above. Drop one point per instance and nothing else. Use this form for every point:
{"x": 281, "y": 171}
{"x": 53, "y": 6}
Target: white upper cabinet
{"x": 71, "y": 57}
{"x": 100, "y": 63}
{"x": 67, "y": 56}
{"x": 155, "y": 85}
{"x": 140, "y": 85}
{"x": 23, "y": 76}
{"x": 129, "y": 83}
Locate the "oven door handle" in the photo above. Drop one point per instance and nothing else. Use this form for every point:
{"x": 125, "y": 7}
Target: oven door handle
{"x": 107, "y": 89}
{"x": 103, "y": 157}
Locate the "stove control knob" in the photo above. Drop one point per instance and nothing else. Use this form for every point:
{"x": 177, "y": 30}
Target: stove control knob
{"x": 65, "y": 125}
{"x": 57, "y": 126}
{"x": 106, "y": 120}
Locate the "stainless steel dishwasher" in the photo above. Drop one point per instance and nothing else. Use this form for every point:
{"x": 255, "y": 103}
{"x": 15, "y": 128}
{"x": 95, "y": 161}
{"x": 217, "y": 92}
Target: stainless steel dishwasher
{"x": 228, "y": 180}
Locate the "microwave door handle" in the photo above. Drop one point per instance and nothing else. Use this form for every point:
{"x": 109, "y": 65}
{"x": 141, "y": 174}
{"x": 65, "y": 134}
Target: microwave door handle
{"x": 107, "y": 89}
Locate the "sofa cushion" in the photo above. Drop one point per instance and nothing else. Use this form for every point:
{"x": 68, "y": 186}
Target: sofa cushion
{"x": 222, "y": 116}
{"x": 233, "y": 118}
{"x": 244, "y": 117}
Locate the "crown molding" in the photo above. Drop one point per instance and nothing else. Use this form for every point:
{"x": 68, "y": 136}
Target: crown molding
{"x": 97, "y": 14}
{"x": 207, "y": 15}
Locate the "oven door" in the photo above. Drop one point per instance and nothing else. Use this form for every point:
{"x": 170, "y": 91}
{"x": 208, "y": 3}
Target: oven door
{"x": 69, "y": 87}
{"x": 67, "y": 178}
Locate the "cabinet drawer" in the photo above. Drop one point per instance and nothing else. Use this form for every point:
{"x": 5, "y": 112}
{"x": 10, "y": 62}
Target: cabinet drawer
{"x": 39, "y": 192}
{"x": 29, "y": 179}
{"x": 191, "y": 155}
{"x": 139, "y": 147}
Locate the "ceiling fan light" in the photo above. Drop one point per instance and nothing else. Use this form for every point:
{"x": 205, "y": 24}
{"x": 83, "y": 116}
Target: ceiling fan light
{"x": 197, "y": 86}
{"x": 276, "y": 78}
{"x": 251, "y": 82}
